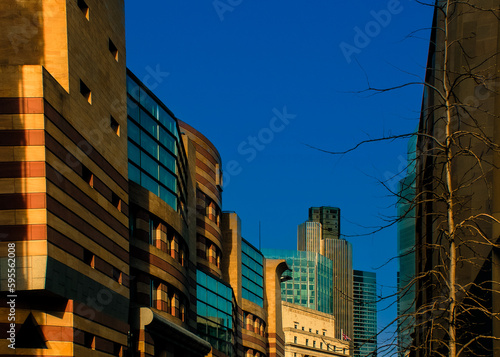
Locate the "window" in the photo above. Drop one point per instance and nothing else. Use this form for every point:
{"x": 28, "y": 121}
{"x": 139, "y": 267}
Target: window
{"x": 116, "y": 201}
{"x": 295, "y": 339}
{"x": 314, "y": 343}
{"x": 321, "y": 345}
{"x": 302, "y": 328}
{"x": 84, "y": 8}
{"x": 85, "y": 91}
{"x": 113, "y": 50}
{"x": 307, "y": 342}
{"x": 296, "y": 326}
{"x": 310, "y": 330}
{"x": 324, "y": 333}
{"x": 117, "y": 275}
{"x": 317, "y": 331}
{"x": 89, "y": 341}
{"x": 87, "y": 176}
{"x": 89, "y": 258}
{"x": 114, "y": 126}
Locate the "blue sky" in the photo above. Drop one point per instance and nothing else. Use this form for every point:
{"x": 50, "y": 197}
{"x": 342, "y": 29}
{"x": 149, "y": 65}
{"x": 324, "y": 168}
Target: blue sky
{"x": 262, "y": 80}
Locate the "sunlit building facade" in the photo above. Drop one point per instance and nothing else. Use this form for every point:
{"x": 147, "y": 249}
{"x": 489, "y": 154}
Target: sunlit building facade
{"x": 309, "y": 332}
{"x": 365, "y": 313}
{"x": 464, "y": 58}
{"x": 339, "y": 251}
{"x": 309, "y": 236}
{"x": 114, "y": 205}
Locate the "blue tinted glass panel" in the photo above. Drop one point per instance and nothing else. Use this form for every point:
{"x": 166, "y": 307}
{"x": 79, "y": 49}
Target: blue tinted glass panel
{"x": 149, "y": 184}
{"x": 133, "y": 109}
{"x": 132, "y": 88}
{"x": 149, "y": 145}
{"x": 168, "y": 140}
{"x": 134, "y": 132}
{"x": 168, "y": 179}
{"x": 168, "y": 160}
{"x": 168, "y": 197}
{"x": 149, "y": 165}
{"x": 168, "y": 121}
{"x": 134, "y": 153}
{"x": 149, "y": 124}
{"x": 148, "y": 103}
{"x": 134, "y": 174}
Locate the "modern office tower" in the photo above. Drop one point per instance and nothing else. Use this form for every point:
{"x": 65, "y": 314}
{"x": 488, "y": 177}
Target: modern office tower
{"x": 309, "y": 332}
{"x": 465, "y": 60}
{"x": 312, "y": 283}
{"x": 329, "y": 217}
{"x": 63, "y": 169}
{"x": 340, "y": 252}
{"x": 365, "y": 313}
{"x": 309, "y": 236}
{"x": 406, "y": 253}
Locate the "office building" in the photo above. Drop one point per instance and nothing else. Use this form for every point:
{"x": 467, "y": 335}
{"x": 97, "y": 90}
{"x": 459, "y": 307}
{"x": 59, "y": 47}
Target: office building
{"x": 113, "y": 205}
{"x": 463, "y": 61}
{"x": 312, "y": 283}
{"x": 329, "y": 217}
{"x": 309, "y": 236}
{"x": 309, "y": 332}
{"x": 339, "y": 251}
{"x": 64, "y": 177}
{"x": 365, "y": 313}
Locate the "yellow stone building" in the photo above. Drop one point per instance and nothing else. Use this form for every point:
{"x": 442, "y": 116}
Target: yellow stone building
{"x": 111, "y": 208}
{"x": 310, "y": 333}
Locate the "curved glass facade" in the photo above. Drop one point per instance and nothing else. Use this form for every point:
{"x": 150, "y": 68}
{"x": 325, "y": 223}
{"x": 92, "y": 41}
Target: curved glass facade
{"x": 312, "y": 283}
{"x": 252, "y": 271}
{"x": 153, "y": 144}
{"x": 215, "y": 313}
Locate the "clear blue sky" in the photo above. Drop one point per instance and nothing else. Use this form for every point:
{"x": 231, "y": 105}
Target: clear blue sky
{"x": 229, "y": 67}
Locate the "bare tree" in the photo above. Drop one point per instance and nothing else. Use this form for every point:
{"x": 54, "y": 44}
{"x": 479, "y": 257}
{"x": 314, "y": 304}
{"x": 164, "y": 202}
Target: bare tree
{"x": 455, "y": 204}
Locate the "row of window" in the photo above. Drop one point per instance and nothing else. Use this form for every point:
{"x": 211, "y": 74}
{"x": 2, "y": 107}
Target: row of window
{"x": 208, "y": 208}
{"x": 255, "y": 324}
{"x": 321, "y": 345}
{"x": 310, "y": 330}
{"x": 252, "y": 353}
{"x": 165, "y": 238}
{"x": 89, "y": 258}
{"x": 207, "y": 250}
{"x": 166, "y": 298}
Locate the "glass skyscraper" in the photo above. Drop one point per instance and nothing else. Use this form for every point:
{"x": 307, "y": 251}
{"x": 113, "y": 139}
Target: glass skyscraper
{"x": 312, "y": 283}
{"x": 365, "y": 313}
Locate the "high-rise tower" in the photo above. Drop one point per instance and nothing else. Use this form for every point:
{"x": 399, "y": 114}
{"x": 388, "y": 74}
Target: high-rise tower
{"x": 339, "y": 251}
